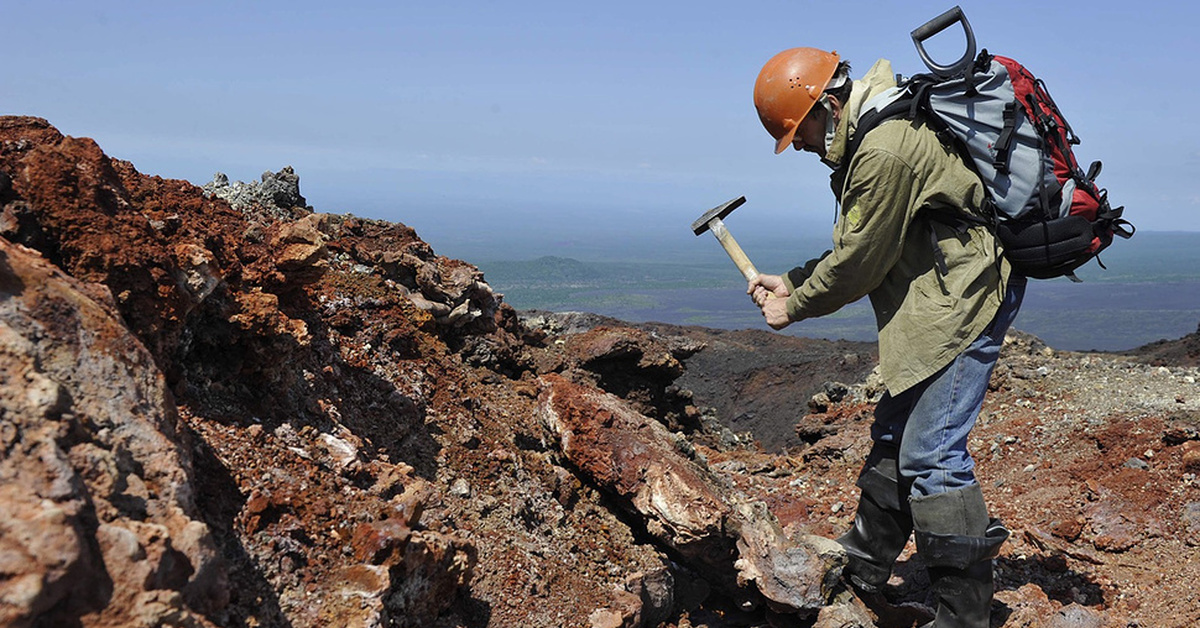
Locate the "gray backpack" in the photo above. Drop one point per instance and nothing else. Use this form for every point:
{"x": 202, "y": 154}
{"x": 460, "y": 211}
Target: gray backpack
{"x": 1049, "y": 214}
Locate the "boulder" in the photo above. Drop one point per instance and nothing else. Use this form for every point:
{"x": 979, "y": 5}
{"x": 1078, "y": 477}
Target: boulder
{"x": 97, "y": 515}
{"x": 656, "y": 476}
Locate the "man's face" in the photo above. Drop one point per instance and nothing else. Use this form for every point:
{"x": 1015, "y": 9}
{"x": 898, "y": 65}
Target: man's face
{"x": 810, "y": 135}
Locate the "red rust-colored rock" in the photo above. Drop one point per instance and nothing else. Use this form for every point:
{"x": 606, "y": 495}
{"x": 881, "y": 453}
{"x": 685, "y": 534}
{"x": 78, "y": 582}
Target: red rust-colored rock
{"x": 636, "y": 459}
{"x": 380, "y": 542}
{"x": 738, "y": 546}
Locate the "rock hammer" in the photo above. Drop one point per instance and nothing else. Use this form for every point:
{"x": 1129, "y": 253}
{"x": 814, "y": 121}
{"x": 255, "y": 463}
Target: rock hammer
{"x": 711, "y": 220}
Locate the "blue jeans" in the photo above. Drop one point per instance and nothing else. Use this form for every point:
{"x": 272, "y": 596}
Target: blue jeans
{"x": 929, "y": 423}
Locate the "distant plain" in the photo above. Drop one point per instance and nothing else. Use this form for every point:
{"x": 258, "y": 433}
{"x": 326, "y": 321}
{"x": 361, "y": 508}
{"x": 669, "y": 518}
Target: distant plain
{"x": 1150, "y": 291}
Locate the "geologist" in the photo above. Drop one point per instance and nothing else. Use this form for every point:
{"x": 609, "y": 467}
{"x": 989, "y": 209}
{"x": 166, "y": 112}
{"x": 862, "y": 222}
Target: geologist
{"x": 943, "y": 297}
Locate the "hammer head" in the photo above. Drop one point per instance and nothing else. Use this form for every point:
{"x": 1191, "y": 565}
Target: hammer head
{"x": 716, "y": 213}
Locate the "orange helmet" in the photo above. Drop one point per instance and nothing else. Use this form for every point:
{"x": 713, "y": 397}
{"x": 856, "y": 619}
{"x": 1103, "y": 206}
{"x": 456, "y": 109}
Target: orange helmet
{"x": 787, "y": 88}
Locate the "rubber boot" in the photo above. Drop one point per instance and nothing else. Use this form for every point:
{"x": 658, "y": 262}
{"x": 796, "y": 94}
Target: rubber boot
{"x": 882, "y": 523}
{"x": 958, "y": 541}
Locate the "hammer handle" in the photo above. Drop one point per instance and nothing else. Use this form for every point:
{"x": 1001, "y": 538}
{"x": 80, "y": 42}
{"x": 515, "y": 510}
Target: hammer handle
{"x": 735, "y": 252}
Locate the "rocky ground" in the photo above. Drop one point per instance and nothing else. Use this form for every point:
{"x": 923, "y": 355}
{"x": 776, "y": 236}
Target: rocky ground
{"x": 1091, "y": 461}
{"x": 219, "y": 407}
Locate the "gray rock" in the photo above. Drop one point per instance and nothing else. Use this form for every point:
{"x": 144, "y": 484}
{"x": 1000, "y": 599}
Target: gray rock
{"x": 277, "y": 194}
{"x": 1075, "y": 616}
{"x": 1191, "y": 519}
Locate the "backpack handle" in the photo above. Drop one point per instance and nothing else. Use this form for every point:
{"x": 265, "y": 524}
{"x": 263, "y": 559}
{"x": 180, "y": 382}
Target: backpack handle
{"x": 937, "y": 25}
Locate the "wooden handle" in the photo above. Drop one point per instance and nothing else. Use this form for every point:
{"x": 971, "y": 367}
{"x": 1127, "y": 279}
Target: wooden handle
{"x": 735, "y": 252}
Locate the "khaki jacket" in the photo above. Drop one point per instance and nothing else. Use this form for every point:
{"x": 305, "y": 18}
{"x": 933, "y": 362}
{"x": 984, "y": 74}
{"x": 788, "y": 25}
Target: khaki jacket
{"x": 883, "y": 248}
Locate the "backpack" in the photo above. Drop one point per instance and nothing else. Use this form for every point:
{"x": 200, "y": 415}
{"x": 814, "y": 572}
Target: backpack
{"x": 1049, "y": 215}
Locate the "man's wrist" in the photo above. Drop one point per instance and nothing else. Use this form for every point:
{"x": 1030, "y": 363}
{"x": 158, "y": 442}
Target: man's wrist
{"x": 793, "y": 308}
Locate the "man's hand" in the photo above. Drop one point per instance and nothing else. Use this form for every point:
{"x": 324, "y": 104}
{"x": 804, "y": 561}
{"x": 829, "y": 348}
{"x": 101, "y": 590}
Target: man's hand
{"x": 770, "y": 294}
{"x": 763, "y": 287}
{"x": 775, "y": 311}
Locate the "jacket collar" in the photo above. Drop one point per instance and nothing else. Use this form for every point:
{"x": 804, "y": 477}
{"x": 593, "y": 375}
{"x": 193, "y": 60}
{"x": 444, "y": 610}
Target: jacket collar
{"x": 878, "y": 79}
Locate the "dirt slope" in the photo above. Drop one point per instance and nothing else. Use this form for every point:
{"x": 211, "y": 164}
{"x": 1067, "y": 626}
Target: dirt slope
{"x": 223, "y": 408}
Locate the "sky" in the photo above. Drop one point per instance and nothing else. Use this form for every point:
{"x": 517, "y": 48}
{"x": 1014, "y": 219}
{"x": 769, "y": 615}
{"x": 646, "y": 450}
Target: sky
{"x": 511, "y": 130}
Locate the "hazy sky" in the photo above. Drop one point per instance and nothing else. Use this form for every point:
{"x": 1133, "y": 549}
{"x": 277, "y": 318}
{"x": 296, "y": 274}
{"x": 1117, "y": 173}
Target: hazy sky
{"x": 563, "y": 127}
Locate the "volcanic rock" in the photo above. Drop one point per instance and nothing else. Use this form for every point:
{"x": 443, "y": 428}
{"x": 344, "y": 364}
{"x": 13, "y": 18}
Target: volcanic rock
{"x": 99, "y": 516}
{"x": 220, "y": 407}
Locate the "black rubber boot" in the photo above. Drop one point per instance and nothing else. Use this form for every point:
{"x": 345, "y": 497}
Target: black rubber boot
{"x": 882, "y": 523}
{"x": 958, "y": 541}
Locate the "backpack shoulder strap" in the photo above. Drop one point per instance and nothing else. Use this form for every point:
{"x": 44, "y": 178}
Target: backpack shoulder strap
{"x": 906, "y": 102}
{"x": 901, "y": 107}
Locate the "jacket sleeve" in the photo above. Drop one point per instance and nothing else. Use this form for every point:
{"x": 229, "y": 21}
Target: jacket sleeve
{"x": 868, "y": 238}
{"x": 797, "y": 276}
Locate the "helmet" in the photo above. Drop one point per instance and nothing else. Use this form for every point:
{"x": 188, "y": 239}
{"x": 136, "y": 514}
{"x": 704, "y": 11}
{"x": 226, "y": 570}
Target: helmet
{"x": 788, "y": 86}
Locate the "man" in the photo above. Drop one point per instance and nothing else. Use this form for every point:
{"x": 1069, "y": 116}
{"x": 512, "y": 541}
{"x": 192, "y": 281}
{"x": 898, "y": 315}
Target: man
{"x": 943, "y": 297}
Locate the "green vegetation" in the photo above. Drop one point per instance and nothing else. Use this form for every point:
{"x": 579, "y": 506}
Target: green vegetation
{"x": 557, "y": 283}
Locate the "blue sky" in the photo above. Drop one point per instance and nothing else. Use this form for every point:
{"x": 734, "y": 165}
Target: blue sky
{"x": 512, "y": 130}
